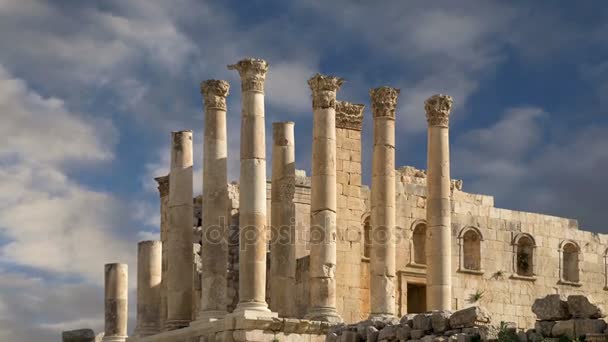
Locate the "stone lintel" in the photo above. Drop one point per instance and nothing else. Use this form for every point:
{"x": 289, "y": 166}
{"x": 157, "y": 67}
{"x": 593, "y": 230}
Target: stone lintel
{"x": 349, "y": 115}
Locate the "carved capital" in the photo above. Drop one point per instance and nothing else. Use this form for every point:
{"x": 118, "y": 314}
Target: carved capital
{"x": 438, "y": 109}
{"x": 214, "y": 93}
{"x": 163, "y": 185}
{"x": 384, "y": 101}
{"x": 252, "y": 72}
{"x": 349, "y": 115}
{"x": 324, "y": 90}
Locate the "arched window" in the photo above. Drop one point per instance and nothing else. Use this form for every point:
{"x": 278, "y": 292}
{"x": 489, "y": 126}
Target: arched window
{"x": 367, "y": 238}
{"x": 470, "y": 240}
{"x": 524, "y": 247}
{"x": 569, "y": 252}
{"x": 418, "y": 253}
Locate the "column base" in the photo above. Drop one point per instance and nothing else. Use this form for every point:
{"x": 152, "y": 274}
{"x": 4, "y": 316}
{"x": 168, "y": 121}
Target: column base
{"x": 324, "y": 314}
{"x": 253, "y": 310}
{"x": 175, "y": 324}
{"x": 114, "y": 338}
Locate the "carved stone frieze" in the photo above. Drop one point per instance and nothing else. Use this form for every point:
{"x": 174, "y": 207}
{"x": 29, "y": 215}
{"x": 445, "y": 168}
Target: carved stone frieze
{"x": 163, "y": 185}
{"x": 252, "y": 72}
{"x": 349, "y": 115}
{"x": 384, "y": 101}
{"x": 214, "y": 93}
{"x": 324, "y": 88}
{"x": 438, "y": 109}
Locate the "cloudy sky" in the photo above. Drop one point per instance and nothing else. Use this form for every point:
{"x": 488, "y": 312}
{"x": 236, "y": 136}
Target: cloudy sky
{"x": 89, "y": 91}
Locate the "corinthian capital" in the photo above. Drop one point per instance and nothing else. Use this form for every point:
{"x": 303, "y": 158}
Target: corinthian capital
{"x": 438, "y": 109}
{"x": 349, "y": 115}
{"x": 252, "y": 72}
{"x": 214, "y": 93}
{"x": 384, "y": 101}
{"x": 324, "y": 88}
{"x": 163, "y": 185}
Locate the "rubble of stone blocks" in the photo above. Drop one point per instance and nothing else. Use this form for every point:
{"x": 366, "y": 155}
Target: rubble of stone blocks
{"x": 466, "y": 325}
{"x": 81, "y": 335}
{"x": 574, "y": 318}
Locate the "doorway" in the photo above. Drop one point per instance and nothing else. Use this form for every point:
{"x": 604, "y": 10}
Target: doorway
{"x": 416, "y": 298}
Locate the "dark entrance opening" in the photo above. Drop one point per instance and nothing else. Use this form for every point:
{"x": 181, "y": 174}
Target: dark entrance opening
{"x": 416, "y": 298}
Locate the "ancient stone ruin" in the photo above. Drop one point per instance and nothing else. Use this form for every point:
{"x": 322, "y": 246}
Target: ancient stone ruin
{"x": 305, "y": 258}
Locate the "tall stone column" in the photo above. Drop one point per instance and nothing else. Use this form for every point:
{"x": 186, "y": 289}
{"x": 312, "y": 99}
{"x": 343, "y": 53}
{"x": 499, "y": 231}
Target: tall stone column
{"x": 382, "y": 258}
{"x": 252, "y": 215}
{"x": 323, "y": 204}
{"x": 149, "y": 268}
{"x": 439, "y": 211}
{"x": 282, "y": 220}
{"x": 163, "y": 190}
{"x": 116, "y": 301}
{"x": 214, "y": 248}
{"x": 179, "y": 235}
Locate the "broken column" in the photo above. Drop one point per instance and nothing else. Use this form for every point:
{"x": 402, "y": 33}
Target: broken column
{"x": 323, "y": 203}
{"x": 439, "y": 211}
{"x": 163, "y": 190}
{"x": 382, "y": 257}
{"x": 149, "y": 268}
{"x": 214, "y": 248}
{"x": 282, "y": 221}
{"x": 252, "y": 215}
{"x": 179, "y": 235}
{"x": 116, "y": 300}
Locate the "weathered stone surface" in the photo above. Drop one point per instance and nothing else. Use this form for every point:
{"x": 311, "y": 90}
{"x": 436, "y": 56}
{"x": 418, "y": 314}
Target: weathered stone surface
{"x": 350, "y": 336}
{"x": 583, "y": 327}
{"x": 522, "y": 336}
{"x": 422, "y": 322}
{"x": 462, "y": 337}
{"x": 580, "y": 306}
{"x": 471, "y": 331}
{"x": 563, "y": 328}
{"x": 440, "y": 321}
{"x": 371, "y": 334}
{"x": 416, "y": 334}
{"x": 331, "y": 337}
{"x": 403, "y": 332}
{"x": 469, "y": 317}
{"x": 544, "y": 327}
{"x": 534, "y": 336}
{"x": 428, "y": 338}
{"x": 79, "y": 335}
{"x": 551, "y": 308}
{"x": 388, "y": 333}
{"x": 452, "y": 332}
{"x": 408, "y": 320}
{"x": 488, "y": 333}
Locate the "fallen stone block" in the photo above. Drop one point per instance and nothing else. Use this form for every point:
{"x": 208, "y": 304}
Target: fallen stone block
{"x": 372, "y": 334}
{"x": 462, "y": 337}
{"x": 583, "y": 327}
{"x": 403, "y": 332}
{"x": 428, "y": 338}
{"x": 408, "y": 320}
{"x": 544, "y": 327}
{"x": 79, "y": 335}
{"x": 422, "y": 322}
{"x": 563, "y": 328}
{"x": 596, "y": 338}
{"x": 452, "y": 332}
{"x": 440, "y": 321}
{"x": 469, "y": 317}
{"x": 551, "y": 308}
{"x": 389, "y": 333}
{"x": 580, "y": 306}
{"x": 416, "y": 334}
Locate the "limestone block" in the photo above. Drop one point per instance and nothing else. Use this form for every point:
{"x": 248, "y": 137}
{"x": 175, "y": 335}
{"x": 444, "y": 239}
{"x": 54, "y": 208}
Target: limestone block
{"x": 350, "y": 336}
{"x": 551, "y": 308}
{"x": 452, "y": 332}
{"x": 428, "y": 338}
{"x": 416, "y": 334}
{"x": 544, "y": 327}
{"x": 403, "y": 332}
{"x": 471, "y": 331}
{"x": 331, "y": 337}
{"x": 469, "y": 317}
{"x": 440, "y": 321}
{"x": 488, "y": 333}
{"x": 371, "y": 334}
{"x": 462, "y": 338}
{"x": 388, "y": 333}
{"x": 580, "y": 306}
{"x": 422, "y": 322}
{"x": 563, "y": 328}
{"x": 583, "y": 327}
{"x": 79, "y": 335}
{"x": 596, "y": 338}
{"x": 408, "y": 320}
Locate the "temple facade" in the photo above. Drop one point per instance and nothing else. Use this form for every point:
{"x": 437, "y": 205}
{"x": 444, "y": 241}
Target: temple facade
{"x": 289, "y": 257}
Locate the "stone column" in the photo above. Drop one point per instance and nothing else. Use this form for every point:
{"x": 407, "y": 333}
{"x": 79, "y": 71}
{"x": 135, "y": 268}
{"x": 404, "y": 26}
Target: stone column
{"x": 323, "y": 203}
{"x": 382, "y": 257}
{"x": 214, "y": 248}
{"x": 282, "y": 220}
{"x": 149, "y": 268}
{"x": 439, "y": 211}
{"x": 116, "y": 300}
{"x": 163, "y": 190}
{"x": 179, "y": 235}
{"x": 252, "y": 215}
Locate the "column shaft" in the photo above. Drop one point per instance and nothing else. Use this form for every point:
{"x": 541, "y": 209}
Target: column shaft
{"x": 252, "y": 215}
{"x": 163, "y": 189}
{"x": 439, "y": 211}
{"x": 180, "y": 257}
{"x": 116, "y": 302}
{"x": 149, "y": 268}
{"x": 382, "y": 258}
{"x": 282, "y": 221}
{"x": 214, "y": 249}
{"x": 323, "y": 205}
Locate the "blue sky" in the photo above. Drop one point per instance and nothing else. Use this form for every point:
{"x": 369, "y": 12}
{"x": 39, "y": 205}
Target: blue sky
{"x": 89, "y": 91}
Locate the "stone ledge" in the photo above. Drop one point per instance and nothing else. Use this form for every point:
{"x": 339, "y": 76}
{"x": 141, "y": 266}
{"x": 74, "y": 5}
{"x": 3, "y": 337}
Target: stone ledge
{"x": 569, "y": 283}
{"x": 525, "y": 278}
{"x": 474, "y": 272}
